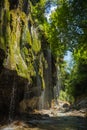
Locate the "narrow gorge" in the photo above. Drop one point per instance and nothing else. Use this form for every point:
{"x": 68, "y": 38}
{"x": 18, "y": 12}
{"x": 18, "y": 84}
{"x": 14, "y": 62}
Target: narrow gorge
{"x": 39, "y": 89}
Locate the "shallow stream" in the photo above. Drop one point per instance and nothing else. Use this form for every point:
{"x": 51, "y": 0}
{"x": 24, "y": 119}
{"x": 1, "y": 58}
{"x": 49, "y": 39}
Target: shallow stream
{"x": 46, "y": 122}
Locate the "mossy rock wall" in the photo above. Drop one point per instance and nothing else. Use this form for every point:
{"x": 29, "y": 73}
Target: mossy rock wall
{"x": 23, "y": 51}
{"x": 19, "y": 38}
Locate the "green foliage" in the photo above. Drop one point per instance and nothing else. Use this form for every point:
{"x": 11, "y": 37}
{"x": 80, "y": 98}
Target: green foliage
{"x": 64, "y": 96}
{"x": 67, "y": 91}
{"x": 68, "y": 32}
{"x": 57, "y": 30}
{"x": 78, "y": 81}
{"x": 38, "y": 11}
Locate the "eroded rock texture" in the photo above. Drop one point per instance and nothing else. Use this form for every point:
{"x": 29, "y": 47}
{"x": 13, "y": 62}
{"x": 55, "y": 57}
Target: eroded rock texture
{"x": 26, "y": 61}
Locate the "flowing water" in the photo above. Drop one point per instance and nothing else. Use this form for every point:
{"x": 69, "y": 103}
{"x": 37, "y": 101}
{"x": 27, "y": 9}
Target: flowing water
{"x": 26, "y": 92}
{"x": 51, "y": 123}
{"x": 46, "y": 95}
{"x": 12, "y": 102}
{"x": 42, "y": 100}
{"x": 57, "y": 87}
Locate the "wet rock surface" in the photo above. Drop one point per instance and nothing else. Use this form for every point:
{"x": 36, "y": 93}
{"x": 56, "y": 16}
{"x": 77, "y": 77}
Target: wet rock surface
{"x": 8, "y": 79}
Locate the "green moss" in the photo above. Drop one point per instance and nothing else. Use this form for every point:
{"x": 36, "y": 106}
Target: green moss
{"x": 36, "y": 45}
{"x": 20, "y": 4}
{"x": 26, "y": 37}
{"x": 23, "y": 62}
{"x": 4, "y": 25}
{"x": 8, "y": 16}
{"x": 22, "y": 69}
{"x": 14, "y": 60}
{"x": 6, "y": 4}
{"x": 17, "y": 34}
{"x": 2, "y": 43}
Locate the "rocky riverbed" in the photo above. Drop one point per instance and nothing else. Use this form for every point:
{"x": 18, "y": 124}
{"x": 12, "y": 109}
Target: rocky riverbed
{"x": 61, "y": 117}
{"x": 49, "y": 120}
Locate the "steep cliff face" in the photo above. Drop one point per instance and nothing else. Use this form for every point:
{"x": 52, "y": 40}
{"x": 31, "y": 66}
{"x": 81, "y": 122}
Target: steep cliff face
{"x": 22, "y": 55}
{"x": 15, "y": 37}
{"x": 9, "y": 80}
